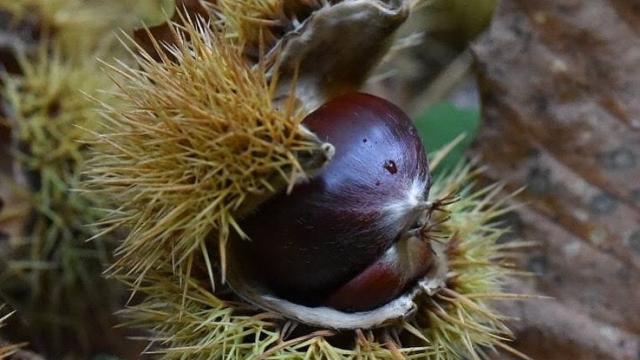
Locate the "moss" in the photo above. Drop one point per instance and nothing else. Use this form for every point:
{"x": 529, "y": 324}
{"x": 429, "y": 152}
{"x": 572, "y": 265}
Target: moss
{"x": 79, "y": 27}
{"x": 53, "y": 275}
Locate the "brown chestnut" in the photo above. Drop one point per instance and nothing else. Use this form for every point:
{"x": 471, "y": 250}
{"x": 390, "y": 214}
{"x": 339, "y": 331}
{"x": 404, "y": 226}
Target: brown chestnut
{"x": 348, "y": 221}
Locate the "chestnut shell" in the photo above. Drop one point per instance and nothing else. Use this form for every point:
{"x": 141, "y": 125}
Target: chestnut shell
{"x": 306, "y": 244}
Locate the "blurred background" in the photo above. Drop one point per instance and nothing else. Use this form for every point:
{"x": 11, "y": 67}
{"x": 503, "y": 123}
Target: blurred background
{"x": 546, "y": 92}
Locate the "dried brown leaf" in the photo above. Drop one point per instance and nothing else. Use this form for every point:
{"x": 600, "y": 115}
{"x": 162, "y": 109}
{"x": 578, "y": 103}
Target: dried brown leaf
{"x": 560, "y": 88}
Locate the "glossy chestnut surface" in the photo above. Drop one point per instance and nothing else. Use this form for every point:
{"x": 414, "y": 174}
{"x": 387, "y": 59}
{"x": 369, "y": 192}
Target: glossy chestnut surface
{"x": 306, "y": 244}
{"x": 402, "y": 264}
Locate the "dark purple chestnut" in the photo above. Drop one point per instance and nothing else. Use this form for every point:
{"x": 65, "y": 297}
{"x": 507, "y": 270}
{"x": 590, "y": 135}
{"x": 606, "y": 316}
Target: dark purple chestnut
{"x": 308, "y": 245}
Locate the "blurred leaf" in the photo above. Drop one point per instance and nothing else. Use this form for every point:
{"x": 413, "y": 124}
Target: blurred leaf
{"x": 560, "y": 85}
{"x": 472, "y": 16}
{"x": 458, "y": 21}
{"x": 441, "y": 124}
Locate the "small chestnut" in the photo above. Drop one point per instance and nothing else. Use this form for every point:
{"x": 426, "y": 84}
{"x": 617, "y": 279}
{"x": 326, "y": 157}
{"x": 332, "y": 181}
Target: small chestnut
{"x": 338, "y": 237}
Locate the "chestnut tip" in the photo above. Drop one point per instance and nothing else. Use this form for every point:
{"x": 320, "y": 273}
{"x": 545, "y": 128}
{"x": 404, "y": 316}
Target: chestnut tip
{"x": 329, "y": 150}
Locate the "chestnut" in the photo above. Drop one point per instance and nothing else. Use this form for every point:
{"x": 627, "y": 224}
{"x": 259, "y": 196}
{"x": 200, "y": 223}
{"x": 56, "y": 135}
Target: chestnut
{"x": 342, "y": 234}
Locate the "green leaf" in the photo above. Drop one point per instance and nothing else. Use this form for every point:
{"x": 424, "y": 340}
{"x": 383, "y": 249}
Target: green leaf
{"x": 440, "y": 124}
